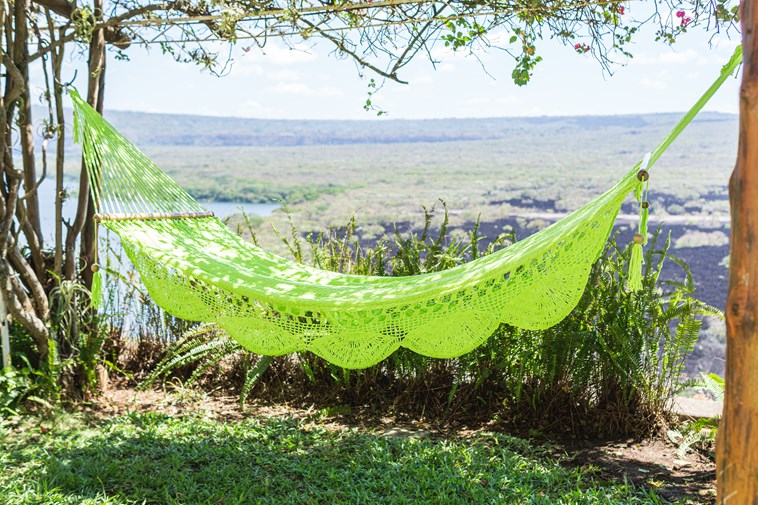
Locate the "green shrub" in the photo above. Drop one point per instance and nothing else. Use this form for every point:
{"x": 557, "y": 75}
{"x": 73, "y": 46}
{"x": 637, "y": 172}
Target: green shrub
{"x": 611, "y": 367}
{"x": 136, "y": 330}
{"x": 700, "y": 434}
{"x": 618, "y": 356}
{"x": 14, "y": 386}
{"x": 79, "y": 333}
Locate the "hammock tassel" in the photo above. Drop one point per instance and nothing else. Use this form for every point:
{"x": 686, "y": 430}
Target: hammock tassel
{"x": 97, "y": 286}
{"x": 634, "y": 282}
{"x": 636, "y": 260}
{"x": 96, "y": 292}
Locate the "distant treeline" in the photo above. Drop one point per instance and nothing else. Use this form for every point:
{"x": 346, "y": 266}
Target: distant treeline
{"x": 258, "y": 192}
{"x": 147, "y": 129}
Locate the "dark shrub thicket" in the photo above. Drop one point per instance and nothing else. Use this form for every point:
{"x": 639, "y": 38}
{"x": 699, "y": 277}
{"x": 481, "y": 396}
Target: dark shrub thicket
{"x": 611, "y": 368}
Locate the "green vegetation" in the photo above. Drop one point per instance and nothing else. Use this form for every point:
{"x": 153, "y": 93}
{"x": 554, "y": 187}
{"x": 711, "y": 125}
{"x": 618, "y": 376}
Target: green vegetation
{"x": 237, "y": 189}
{"x": 252, "y": 191}
{"x": 15, "y": 386}
{"x": 700, "y": 434}
{"x": 477, "y": 166}
{"x": 697, "y": 238}
{"x": 155, "y": 458}
{"x": 611, "y": 368}
{"x": 386, "y": 169}
{"x": 75, "y": 352}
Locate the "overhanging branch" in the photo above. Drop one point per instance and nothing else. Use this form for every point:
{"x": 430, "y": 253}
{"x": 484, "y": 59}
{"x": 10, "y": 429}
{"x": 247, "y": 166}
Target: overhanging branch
{"x": 60, "y": 7}
{"x": 361, "y": 61}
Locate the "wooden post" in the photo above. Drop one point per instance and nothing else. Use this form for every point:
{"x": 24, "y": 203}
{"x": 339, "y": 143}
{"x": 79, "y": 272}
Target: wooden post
{"x": 4, "y": 336}
{"x": 95, "y": 93}
{"x": 737, "y": 445}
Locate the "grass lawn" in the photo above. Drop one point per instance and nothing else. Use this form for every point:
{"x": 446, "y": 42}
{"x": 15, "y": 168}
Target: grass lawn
{"x": 194, "y": 459}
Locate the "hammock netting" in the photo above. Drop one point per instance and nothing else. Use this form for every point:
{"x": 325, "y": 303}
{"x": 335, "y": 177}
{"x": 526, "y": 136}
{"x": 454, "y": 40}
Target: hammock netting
{"x": 197, "y": 269}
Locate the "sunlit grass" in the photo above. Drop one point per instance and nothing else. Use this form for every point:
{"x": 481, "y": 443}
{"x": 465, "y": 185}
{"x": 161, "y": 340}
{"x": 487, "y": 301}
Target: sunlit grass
{"x": 154, "y": 458}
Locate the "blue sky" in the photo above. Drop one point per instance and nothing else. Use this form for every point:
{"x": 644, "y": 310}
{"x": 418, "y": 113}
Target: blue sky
{"x": 308, "y": 82}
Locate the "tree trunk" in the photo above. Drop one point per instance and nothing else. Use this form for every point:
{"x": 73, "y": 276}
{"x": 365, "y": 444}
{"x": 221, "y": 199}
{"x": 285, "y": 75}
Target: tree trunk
{"x": 28, "y": 208}
{"x": 31, "y": 313}
{"x": 737, "y": 448}
{"x": 57, "y": 63}
{"x": 95, "y": 95}
{"x": 85, "y": 211}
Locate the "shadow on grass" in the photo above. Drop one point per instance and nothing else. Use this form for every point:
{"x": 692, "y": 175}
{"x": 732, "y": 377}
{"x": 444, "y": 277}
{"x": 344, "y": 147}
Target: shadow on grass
{"x": 693, "y": 482}
{"x": 153, "y": 458}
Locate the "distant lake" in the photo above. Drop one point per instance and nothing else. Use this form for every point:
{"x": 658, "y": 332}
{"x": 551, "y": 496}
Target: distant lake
{"x": 47, "y": 206}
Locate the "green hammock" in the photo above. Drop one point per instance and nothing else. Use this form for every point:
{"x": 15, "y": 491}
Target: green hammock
{"x": 197, "y": 269}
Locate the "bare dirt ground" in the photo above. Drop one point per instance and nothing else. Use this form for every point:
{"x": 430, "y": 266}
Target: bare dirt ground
{"x": 651, "y": 463}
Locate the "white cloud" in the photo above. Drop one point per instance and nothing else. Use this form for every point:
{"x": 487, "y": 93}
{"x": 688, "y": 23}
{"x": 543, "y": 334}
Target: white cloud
{"x": 302, "y": 89}
{"x": 329, "y": 91}
{"x": 258, "y": 62}
{"x": 670, "y": 57}
{"x": 278, "y": 54}
{"x": 284, "y": 74}
{"x": 291, "y": 88}
{"x": 299, "y": 83}
{"x": 722, "y": 41}
{"x": 498, "y": 100}
{"x": 653, "y": 83}
{"x": 422, "y": 78}
{"x": 253, "y": 108}
{"x": 245, "y": 68}
{"x": 679, "y": 58}
{"x": 442, "y": 54}
{"x": 446, "y": 68}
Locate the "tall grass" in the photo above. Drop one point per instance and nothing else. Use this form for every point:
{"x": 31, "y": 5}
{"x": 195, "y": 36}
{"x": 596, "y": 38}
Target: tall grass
{"x": 137, "y": 330}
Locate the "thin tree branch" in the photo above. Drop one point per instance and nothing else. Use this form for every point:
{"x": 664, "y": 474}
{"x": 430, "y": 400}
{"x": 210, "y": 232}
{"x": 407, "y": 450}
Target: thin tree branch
{"x": 399, "y": 63}
{"x": 20, "y": 308}
{"x": 30, "y": 280}
{"x": 361, "y": 61}
{"x": 113, "y": 33}
{"x": 61, "y": 7}
{"x": 17, "y": 80}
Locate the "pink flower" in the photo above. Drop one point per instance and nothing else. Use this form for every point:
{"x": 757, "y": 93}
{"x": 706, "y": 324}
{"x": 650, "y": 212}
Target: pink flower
{"x": 680, "y": 14}
{"x": 621, "y": 10}
{"x": 577, "y": 46}
{"x": 686, "y": 21}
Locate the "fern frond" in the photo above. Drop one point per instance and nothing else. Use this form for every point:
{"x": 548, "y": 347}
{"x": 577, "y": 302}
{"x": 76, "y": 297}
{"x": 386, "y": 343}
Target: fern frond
{"x": 252, "y": 375}
{"x": 196, "y": 354}
{"x": 703, "y": 309}
{"x": 714, "y": 384}
{"x": 213, "y": 359}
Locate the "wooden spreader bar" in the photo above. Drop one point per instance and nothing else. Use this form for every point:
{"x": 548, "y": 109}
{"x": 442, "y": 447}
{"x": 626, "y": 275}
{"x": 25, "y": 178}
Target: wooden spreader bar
{"x": 146, "y": 216}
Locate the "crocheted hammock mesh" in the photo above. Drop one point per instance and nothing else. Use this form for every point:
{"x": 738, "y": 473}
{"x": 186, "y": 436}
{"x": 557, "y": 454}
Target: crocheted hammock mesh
{"x": 197, "y": 269}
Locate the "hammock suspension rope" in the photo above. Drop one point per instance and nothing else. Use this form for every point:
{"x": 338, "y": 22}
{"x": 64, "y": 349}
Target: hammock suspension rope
{"x": 197, "y": 269}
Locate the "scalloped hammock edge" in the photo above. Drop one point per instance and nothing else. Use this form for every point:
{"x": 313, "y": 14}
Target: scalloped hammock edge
{"x": 197, "y": 269}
